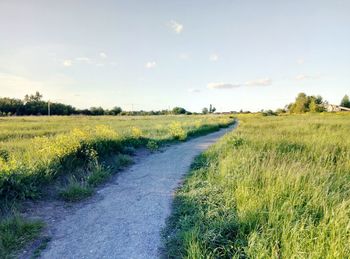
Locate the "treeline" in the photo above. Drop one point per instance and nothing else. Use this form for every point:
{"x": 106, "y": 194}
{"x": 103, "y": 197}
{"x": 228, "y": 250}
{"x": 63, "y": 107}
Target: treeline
{"x": 35, "y": 105}
{"x": 306, "y": 103}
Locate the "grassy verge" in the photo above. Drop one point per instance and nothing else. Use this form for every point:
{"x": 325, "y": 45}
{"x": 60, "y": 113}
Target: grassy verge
{"x": 81, "y": 185}
{"x": 277, "y": 187}
{"x": 15, "y": 232}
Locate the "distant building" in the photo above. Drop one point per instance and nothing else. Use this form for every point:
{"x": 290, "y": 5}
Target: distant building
{"x": 336, "y": 108}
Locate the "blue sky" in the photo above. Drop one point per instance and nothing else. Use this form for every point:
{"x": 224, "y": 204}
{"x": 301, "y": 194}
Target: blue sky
{"x": 248, "y": 55}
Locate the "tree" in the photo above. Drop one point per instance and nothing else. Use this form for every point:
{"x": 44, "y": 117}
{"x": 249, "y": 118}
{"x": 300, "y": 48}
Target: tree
{"x": 33, "y": 97}
{"x": 304, "y": 103}
{"x": 345, "y": 102}
{"x": 97, "y": 111}
{"x": 205, "y": 110}
{"x": 116, "y": 110}
{"x": 313, "y": 105}
{"x": 212, "y": 109}
{"x": 178, "y": 110}
{"x": 301, "y": 103}
{"x": 269, "y": 113}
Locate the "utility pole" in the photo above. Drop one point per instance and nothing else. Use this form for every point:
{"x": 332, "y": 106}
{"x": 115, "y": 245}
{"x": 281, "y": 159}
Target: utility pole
{"x": 48, "y": 108}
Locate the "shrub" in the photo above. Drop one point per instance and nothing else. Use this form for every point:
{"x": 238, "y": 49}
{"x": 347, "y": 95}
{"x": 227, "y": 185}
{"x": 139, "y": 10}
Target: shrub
{"x": 75, "y": 191}
{"x": 152, "y": 145}
{"x": 98, "y": 175}
{"x": 177, "y": 132}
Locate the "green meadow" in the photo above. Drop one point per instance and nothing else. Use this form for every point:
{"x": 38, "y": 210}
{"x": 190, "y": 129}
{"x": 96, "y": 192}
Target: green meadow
{"x": 34, "y": 150}
{"x": 276, "y": 187}
{"x": 72, "y": 155}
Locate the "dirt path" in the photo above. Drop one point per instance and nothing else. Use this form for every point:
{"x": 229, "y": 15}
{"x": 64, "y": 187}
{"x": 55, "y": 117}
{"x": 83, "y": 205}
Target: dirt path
{"x": 126, "y": 220}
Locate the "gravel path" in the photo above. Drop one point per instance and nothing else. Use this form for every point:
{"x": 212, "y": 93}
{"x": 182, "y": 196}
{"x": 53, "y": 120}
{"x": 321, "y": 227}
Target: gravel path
{"x": 125, "y": 222}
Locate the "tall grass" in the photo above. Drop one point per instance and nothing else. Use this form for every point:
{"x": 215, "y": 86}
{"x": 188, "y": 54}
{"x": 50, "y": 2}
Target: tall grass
{"x": 35, "y": 150}
{"x": 277, "y": 187}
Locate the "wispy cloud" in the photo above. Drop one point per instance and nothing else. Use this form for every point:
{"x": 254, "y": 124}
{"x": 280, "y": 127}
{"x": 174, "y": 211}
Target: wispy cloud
{"x": 259, "y": 82}
{"x": 150, "y": 64}
{"x": 103, "y": 55}
{"x": 193, "y": 90}
{"x": 302, "y": 77}
{"x": 222, "y": 85}
{"x": 67, "y": 63}
{"x": 214, "y": 57}
{"x": 13, "y": 85}
{"x": 300, "y": 61}
{"x": 184, "y": 56}
{"x": 176, "y": 26}
{"x": 83, "y": 59}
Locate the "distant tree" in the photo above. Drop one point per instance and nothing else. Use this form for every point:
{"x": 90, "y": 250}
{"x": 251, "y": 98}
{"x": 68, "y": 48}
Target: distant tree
{"x": 97, "y": 111}
{"x": 205, "y": 110}
{"x": 279, "y": 111}
{"x": 178, "y": 110}
{"x": 61, "y": 109}
{"x": 269, "y": 113}
{"x": 316, "y": 104}
{"x": 301, "y": 104}
{"x": 313, "y": 105}
{"x": 84, "y": 112}
{"x": 212, "y": 109}
{"x": 304, "y": 103}
{"x": 11, "y": 106}
{"x": 33, "y": 97}
{"x": 116, "y": 110}
{"x": 345, "y": 102}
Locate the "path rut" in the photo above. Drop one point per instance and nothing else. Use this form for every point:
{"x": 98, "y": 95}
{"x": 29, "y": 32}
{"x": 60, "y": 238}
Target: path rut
{"x": 127, "y": 219}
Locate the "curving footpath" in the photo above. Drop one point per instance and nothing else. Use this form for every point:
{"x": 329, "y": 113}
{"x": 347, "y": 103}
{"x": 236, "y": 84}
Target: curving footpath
{"x": 127, "y": 219}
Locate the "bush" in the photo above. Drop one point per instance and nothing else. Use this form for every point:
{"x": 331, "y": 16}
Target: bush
{"x": 98, "y": 175}
{"x": 152, "y": 145}
{"x": 177, "y": 132}
{"x": 76, "y": 191}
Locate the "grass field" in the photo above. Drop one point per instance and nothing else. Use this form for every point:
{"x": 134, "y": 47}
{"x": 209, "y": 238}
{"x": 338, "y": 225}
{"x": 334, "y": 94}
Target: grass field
{"x": 35, "y": 149}
{"x": 276, "y": 187}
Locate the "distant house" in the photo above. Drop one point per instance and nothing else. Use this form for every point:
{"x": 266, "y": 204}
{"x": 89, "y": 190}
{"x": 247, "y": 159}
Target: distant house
{"x": 336, "y": 108}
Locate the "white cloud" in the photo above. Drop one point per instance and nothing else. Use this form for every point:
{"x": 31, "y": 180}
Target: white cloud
{"x": 302, "y": 77}
{"x": 150, "y": 64}
{"x": 177, "y": 27}
{"x": 222, "y": 85}
{"x": 300, "y": 61}
{"x": 259, "y": 82}
{"x": 67, "y": 63}
{"x": 193, "y": 90}
{"x": 17, "y": 86}
{"x": 214, "y": 57}
{"x": 103, "y": 55}
{"x": 184, "y": 56}
{"x": 83, "y": 59}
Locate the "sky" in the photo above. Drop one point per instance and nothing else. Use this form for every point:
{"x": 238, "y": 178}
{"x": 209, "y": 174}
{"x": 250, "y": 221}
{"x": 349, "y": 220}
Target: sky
{"x": 152, "y": 55}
